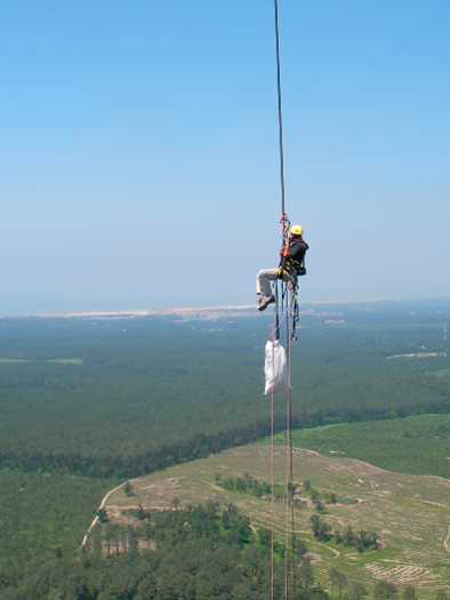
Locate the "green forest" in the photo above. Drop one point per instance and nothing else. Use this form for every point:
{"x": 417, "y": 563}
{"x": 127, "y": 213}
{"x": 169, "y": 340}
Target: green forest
{"x": 419, "y": 445}
{"x": 128, "y": 396}
{"x": 87, "y": 403}
{"x": 44, "y": 514}
{"x": 199, "y": 553}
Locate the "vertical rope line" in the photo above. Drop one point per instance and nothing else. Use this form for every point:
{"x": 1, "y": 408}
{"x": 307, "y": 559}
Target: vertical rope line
{"x": 272, "y": 498}
{"x": 286, "y": 526}
{"x": 291, "y": 461}
{"x": 285, "y": 229}
{"x": 275, "y": 335}
{"x": 289, "y": 506}
{"x": 278, "y": 323}
{"x": 287, "y": 487}
{"x": 280, "y": 109}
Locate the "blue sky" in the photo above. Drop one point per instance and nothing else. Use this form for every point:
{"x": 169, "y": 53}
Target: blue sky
{"x": 138, "y": 157}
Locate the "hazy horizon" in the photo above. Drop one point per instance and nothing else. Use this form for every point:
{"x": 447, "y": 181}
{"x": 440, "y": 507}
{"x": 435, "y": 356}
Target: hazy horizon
{"x": 58, "y": 309}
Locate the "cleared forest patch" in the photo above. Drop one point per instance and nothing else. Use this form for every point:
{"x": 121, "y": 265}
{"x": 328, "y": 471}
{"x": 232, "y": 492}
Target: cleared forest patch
{"x": 411, "y": 514}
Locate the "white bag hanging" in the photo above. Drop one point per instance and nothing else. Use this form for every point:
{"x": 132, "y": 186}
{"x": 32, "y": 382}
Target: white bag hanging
{"x": 275, "y": 368}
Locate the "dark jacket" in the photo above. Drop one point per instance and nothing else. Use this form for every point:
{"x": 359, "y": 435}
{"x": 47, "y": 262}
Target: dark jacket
{"x": 294, "y": 255}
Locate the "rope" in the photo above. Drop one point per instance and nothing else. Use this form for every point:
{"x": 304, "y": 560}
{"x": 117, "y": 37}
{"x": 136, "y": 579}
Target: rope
{"x": 275, "y": 335}
{"x": 280, "y": 111}
{"x": 289, "y": 512}
{"x": 277, "y": 314}
{"x": 286, "y": 321}
{"x": 272, "y": 475}
{"x": 287, "y": 301}
{"x": 290, "y": 449}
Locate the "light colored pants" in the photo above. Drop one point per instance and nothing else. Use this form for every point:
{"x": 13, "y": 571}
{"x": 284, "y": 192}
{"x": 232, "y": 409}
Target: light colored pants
{"x": 265, "y": 276}
{"x": 263, "y": 279}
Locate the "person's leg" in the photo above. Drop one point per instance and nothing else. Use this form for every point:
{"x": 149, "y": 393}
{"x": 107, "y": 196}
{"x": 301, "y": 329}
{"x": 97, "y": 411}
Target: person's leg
{"x": 263, "y": 279}
{"x": 264, "y": 289}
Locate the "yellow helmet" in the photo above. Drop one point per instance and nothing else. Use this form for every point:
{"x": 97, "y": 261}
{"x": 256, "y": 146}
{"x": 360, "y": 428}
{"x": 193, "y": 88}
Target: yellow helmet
{"x": 296, "y": 230}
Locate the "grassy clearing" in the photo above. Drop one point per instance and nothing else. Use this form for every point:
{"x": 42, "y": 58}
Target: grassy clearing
{"x": 410, "y": 513}
{"x": 418, "y": 445}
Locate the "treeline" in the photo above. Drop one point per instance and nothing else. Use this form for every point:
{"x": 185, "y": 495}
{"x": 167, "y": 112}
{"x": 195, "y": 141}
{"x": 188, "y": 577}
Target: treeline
{"x": 413, "y": 445}
{"x": 127, "y": 467}
{"x": 362, "y": 540}
{"x": 112, "y": 538}
{"x": 197, "y": 554}
{"x": 165, "y": 455}
{"x": 150, "y": 393}
{"x": 257, "y": 487}
{"x": 246, "y": 484}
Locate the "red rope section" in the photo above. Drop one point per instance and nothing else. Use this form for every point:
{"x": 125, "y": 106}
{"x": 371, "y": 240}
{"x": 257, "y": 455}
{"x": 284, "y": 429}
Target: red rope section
{"x": 289, "y": 512}
{"x": 273, "y": 336}
{"x": 272, "y": 497}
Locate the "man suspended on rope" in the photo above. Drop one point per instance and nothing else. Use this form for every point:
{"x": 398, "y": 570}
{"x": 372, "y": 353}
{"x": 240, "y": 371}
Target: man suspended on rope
{"x": 290, "y": 268}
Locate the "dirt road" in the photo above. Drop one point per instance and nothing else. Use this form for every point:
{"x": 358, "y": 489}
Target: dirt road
{"x": 95, "y": 520}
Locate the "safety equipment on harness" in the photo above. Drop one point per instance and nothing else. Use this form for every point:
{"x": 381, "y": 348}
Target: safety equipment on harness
{"x": 291, "y": 269}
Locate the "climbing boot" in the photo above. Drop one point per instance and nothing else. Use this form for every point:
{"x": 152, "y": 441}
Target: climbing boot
{"x": 264, "y": 302}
